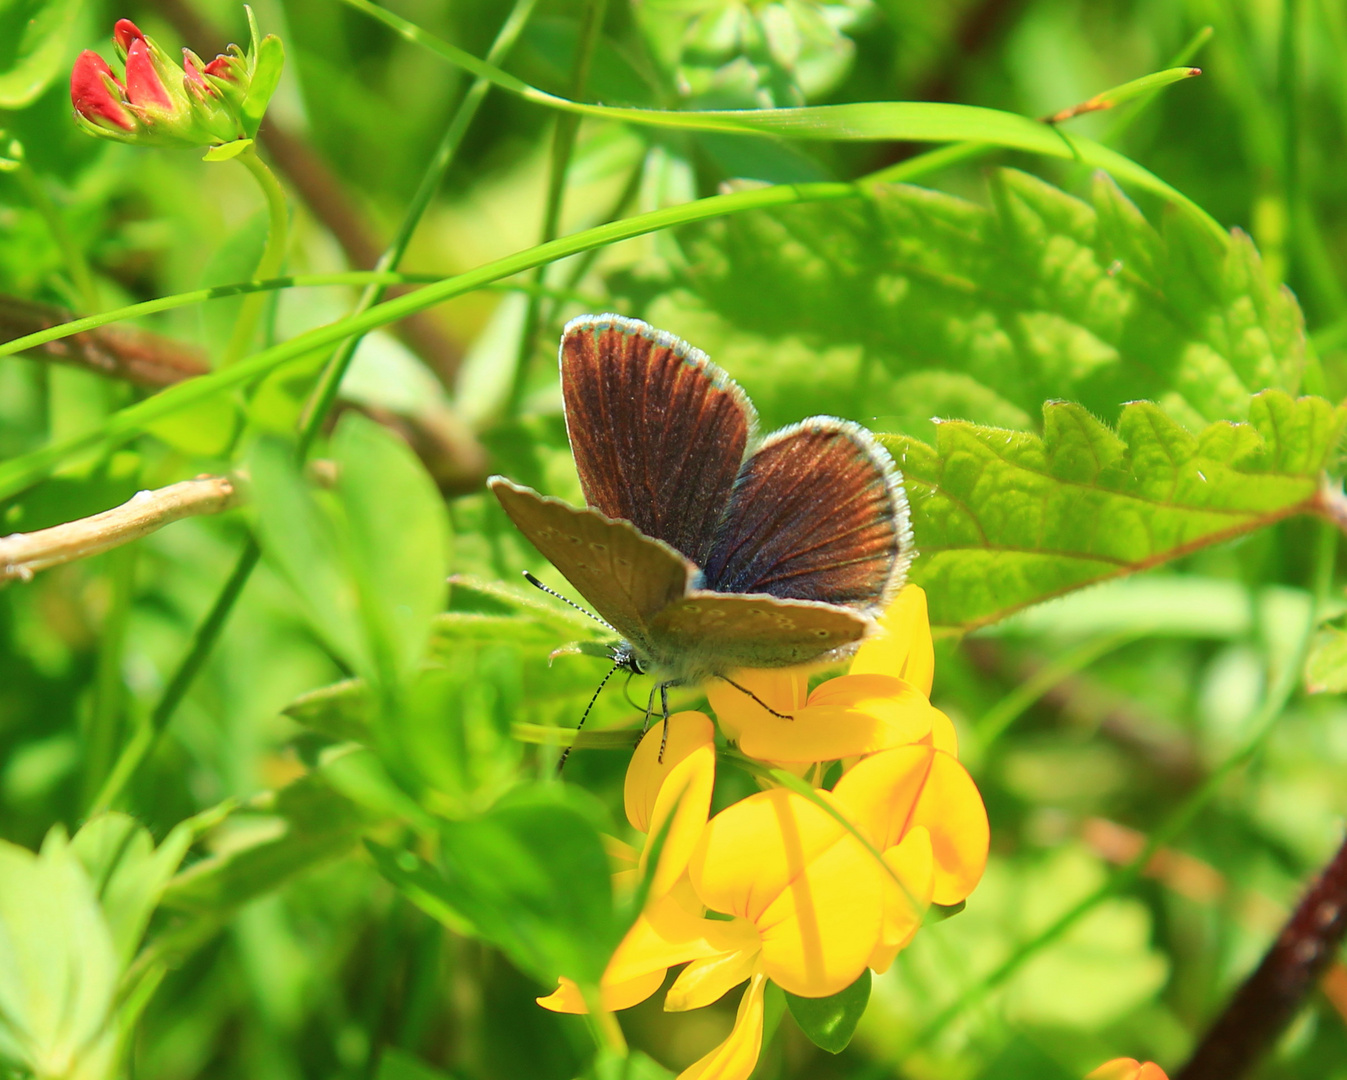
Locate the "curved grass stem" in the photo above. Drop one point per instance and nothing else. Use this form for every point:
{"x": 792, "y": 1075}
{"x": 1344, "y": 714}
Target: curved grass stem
{"x": 273, "y": 255}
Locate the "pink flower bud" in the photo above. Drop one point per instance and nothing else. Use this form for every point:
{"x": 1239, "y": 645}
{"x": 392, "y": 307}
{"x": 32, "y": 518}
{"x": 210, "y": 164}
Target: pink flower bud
{"x": 126, "y": 32}
{"x": 143, "y": 85}
{"x": 91, "y": 92}
{"x": 194, "y": 76}
{"x": 222, "y": 67}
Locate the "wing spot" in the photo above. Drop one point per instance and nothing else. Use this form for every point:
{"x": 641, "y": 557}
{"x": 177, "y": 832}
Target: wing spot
{"x": 691, "y": 609}
{"x": 596, "y": 546}
{"x": 820, "y": 632}
{"x": 784, "y": 623}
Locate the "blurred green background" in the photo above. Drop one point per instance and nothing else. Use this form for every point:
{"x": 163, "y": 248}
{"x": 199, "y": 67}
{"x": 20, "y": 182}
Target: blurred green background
{"x": 298, "y": 958}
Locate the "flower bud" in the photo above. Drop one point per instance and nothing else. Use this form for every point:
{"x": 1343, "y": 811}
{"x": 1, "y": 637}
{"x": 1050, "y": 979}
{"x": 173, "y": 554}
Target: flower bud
{"x": 159, "y": 103}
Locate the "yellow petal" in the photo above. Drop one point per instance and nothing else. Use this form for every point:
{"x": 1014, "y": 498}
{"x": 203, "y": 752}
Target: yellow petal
{"x": 567, "y": 998}
{"x": 889, "y": 793}
{"x": 844, "y": 717}
{"x": 705, "y": 981}
{"x": 819, "y": 933}
{"x": 903, "y": 647}
{"x": 782, "y": 689}
{"x": 751, "y": 851}
{"x": 683, "y": 801}
{"x": 943, "y": 736}
{"x": 688, "y": 732}
{"x": 811, "y": 889}
{"x": 670, "y": 931}
{"x": 905, "y": 905}
{"x": 737, "y": 1056}
{"x": 1128, "y": 1069}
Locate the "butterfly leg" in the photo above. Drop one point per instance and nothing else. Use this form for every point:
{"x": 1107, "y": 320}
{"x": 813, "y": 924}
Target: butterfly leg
{"x": 746, "y": 690}
{"x": 664, "y": 708}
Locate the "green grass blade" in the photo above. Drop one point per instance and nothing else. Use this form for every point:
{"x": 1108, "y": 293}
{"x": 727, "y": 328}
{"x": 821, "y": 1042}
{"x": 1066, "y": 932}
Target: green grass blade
{"x": 19, "y": 473}
{"x": 909, "y": 121}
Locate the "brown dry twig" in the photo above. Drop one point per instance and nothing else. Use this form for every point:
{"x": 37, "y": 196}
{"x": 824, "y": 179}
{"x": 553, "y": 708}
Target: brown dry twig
{"x": 23, "y": 554}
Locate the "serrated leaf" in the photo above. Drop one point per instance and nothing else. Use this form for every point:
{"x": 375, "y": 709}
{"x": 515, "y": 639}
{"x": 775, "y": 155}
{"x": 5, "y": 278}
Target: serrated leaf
{"x": 1004, "y": 519}
{"x": 1040, "y": 295}
{"x": 831, "y": 1021}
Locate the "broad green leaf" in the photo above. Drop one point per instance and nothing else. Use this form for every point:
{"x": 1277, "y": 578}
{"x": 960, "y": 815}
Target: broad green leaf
{"x": 532, "y": 876}
{"x": 915, "y": 304}
{"x": 1004, "y": 519}
{"x": 831, "y": 1021}
{"x": 128, "y": 872}
{"x": 316, "y": 824}
{"x": 301, "y": 538}
{"x": 58, "y": 964}
{"x": 35, "y": 39}
{"x": 398, "y": 541}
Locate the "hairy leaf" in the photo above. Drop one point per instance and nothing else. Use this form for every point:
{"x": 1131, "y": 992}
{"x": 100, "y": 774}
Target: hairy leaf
{"x": 1004, "y": 519}
{"x": 914, "y": 303}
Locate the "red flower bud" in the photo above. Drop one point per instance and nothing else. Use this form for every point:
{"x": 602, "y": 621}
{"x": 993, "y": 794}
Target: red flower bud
{"x": 91, "y": 95}
{"x": 194, "y": 75}
{"x": 143, "y": 85}
{"x": 222, "y": 67}
{"x": 126, "y": 32}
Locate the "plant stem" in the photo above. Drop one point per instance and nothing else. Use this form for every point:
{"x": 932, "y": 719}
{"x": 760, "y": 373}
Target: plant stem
{"x": 1271, "y": 996}
{"x": 273, "y": 255}
{"x": 563, "y": 146}
{"x": 325, "y": 394}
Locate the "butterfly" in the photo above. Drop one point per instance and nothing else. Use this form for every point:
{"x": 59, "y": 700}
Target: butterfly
{"x": 704, "y": 547}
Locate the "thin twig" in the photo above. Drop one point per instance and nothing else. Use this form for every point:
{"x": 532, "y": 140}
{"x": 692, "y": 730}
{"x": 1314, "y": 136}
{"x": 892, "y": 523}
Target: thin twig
{"x": 1269, "y": 999}
{"x": 118, "y": 352}
{"x": 24, "y": 554}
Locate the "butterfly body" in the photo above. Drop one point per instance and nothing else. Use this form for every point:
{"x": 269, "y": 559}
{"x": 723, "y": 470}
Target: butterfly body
{"x": 707, "y": 549}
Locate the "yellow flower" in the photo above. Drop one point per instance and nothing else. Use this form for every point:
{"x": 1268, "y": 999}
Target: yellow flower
{"x": 1128, "y": 1069}
{"x": 882, "y": 702}
{"x": 810, "y": 891}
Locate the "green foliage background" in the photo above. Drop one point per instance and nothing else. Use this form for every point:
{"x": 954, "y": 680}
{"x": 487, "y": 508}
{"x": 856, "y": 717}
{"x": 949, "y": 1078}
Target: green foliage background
{"x": 348, "y": 861}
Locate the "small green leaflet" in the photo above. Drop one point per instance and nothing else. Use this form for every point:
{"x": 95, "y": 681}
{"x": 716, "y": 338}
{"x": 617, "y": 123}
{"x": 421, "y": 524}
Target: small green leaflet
{"x": 1004, "y": 519}
{"x": 831, "y": 1021}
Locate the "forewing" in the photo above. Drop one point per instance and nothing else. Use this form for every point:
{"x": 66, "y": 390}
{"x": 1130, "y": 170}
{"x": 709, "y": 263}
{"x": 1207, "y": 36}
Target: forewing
{"x": 714, "y": 633}
{"x": 657, "y": 430}
{"x": 627, "y": 577}
{"x": 819, "y": 514}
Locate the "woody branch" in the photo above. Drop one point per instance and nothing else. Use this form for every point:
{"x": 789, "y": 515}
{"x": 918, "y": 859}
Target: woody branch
{"x": 23, "y": 554}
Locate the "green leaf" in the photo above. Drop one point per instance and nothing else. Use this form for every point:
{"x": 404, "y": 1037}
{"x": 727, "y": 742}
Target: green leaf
{"x": 304, "y": 543}
{"x": 398, "y": 541}
{"x": 1004, "y": 519}
{"x": 915, "y": 304}
{"x": 128, "y": 872}
{"x": 316, "y": 824}
{"x": 532, "y": 876}
{"x": 830, "y": 1022}
{"x": 35, "y": 39}
{"x": 1326, "y": 668}
{"x": 58, "y": 963}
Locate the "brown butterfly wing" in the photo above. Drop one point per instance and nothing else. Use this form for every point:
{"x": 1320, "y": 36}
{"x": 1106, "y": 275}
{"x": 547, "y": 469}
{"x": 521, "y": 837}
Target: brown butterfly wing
{"x": 711, "y": 633}
{"x": 629, "y": 578}
{"x": 819, "y": 513}
{"x": 657, "y": 430}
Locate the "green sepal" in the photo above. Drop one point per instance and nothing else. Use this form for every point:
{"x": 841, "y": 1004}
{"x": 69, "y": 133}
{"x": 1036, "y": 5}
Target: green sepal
{"x": 227, "y": 151}
{"x": 830, "y": 1022}
{"x": 268, "y": 58}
